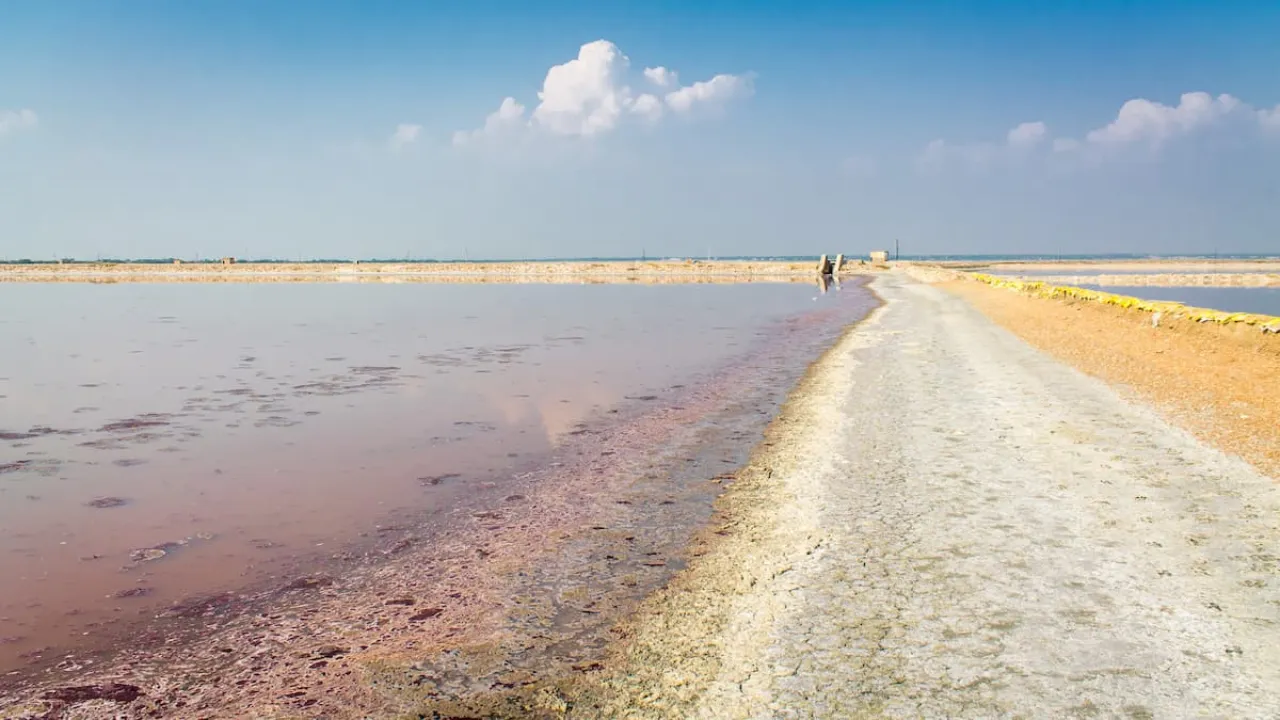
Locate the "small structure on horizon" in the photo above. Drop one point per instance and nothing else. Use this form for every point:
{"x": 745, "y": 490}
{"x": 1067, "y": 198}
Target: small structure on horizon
{"x": 880, "y": 256}
{"x": 228, "y": 261}
{"x": 824, "y": 265}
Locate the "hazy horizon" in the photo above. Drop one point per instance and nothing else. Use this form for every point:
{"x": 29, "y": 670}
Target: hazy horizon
{"x": 214, "y": 260}
{"x": 569, "y": 130}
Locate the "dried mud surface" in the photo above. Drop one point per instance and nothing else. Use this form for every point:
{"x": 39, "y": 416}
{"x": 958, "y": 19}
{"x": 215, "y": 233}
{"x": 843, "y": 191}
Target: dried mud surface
{"x": 946, "y": 522}
{"x": 1219, "y": 382}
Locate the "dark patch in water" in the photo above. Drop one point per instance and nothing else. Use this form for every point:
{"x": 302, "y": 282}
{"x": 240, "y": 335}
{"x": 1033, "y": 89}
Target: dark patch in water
{"x": 431, "y": 480}
{"x": 35, "y": 432}
{"x": 46, "y": 468}
{"x": 107, "y": 502}
{"x": 104, "y": 444}
{"x": 140, "y": 422}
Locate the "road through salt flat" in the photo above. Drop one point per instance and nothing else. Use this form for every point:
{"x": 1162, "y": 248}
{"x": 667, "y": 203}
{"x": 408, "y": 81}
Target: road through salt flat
{"x": 984, "y": 532}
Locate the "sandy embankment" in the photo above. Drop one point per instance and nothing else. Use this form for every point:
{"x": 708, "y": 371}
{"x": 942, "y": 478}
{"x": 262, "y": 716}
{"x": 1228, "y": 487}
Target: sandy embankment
{"x": 1095, "y": 267}
{"x": 1218, "y": 381}
{"x": 644, "y": 272}
{"x": 1224, "y": 279}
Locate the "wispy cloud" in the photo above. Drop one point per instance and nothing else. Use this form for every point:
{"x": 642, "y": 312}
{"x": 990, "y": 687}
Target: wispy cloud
{"x": 1139, "y": 122}
{"x": 718, "y": 89}
{"x": 508, "y": 116}
{"x": 1018, "y": 142}
{"x": 1270, "y": 119}
{"x": 591, "y": 95}
{"x": 404, "y": 135}
{"x": 1028, "y": 134}
{"x": 16, "y": 120}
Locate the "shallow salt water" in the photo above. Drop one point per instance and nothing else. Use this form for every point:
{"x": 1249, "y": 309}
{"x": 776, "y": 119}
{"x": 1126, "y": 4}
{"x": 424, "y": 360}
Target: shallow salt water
{"x": 1263, "y": 301}
{"x": 158, "y": 441}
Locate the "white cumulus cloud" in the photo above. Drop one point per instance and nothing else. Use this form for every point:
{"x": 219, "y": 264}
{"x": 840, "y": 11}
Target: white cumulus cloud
{"x": 586, "y": 95}
{"x": 661, "y": 76}
{"x": 15, "y": 120}
{"x": 1144, "y": 120}
{"x": 1139, "y": 122}
{"x": 591, "y": 95}
{"x": 647, "y": 105}
{"x": 716, "y": 90}
{"x": 405, "y": 134}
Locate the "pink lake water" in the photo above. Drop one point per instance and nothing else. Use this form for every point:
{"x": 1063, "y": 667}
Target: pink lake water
{"x": 160, "y": 441}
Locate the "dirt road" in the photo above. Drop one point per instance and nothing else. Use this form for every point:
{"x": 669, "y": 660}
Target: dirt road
{"x": 977, "y": 530}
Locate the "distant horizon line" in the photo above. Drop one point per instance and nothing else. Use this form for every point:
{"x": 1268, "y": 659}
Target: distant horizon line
{"x": 728, "y": 258}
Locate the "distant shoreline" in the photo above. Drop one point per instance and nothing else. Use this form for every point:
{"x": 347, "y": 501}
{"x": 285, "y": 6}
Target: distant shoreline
{"x": 1095, "y": 266}
{"x": 513, "y": 271}
{"x": 1171, "y": 271}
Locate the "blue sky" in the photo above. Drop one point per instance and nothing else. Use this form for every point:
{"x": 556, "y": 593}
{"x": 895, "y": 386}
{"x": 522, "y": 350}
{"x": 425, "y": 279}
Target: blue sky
{"x": 340, "y": 129}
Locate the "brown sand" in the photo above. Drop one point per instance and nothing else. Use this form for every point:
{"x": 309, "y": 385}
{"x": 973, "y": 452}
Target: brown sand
{"x": 1218, "y": 382}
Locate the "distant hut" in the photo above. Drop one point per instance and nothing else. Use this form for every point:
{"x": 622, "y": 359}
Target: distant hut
{"x": 228, "y": 261}
{"x": 880, "y": 256}
{"x": 177, "y": 261}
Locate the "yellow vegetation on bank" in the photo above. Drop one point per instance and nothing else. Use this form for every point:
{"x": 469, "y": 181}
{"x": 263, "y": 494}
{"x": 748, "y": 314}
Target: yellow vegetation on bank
{"x": 1267, "y": 323}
